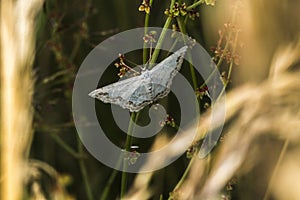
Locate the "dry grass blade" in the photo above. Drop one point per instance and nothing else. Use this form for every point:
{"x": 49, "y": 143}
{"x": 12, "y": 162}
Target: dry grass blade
{"x": 17, "y": 55}
{"x": 267, "y": 110}
{"x": 271, "y": 110}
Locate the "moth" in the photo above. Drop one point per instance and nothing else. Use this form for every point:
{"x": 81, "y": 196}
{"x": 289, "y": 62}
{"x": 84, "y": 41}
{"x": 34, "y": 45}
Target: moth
{"x": 139, "y": 91}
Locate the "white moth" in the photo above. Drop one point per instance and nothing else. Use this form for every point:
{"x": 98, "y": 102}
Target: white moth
{"x": 137, "y": 92}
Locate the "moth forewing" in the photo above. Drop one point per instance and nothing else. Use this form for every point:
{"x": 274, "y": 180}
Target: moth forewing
{"x": 164, "y": 72}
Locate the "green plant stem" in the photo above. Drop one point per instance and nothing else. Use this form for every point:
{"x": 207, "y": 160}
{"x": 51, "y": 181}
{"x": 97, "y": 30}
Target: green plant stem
{"x": 210, "y": 76}
{"x": 54, "y": 133}
{"x": 145, "y": 52}
{"x": 194, "y": 5}
{"x": 134, "y": 118}
{"x": 173, "y": 46}
{"x": 65, "y": 146}
{"x": 194, "y": 80}
{"x": 162, "y": 35}
{"x": 192, "y": 70}
{"x": 83, "y": 170}
{"x": 172, "y": 4}
{"x": 111, "y": 180}
{"x": 187, "y": 16}
{"x": 161, "y": 197}
{"x": 180, "y": 182}
{"x": 159, "y": 42}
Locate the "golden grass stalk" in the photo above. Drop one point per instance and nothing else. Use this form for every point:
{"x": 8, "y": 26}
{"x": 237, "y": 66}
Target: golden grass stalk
{"x": 262, "y": 125}
{"x": 17, "y": 55}
{"x": 253, "y": 111}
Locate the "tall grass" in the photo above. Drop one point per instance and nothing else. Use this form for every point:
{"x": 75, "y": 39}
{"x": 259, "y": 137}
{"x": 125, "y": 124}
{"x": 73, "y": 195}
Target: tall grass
{"x": 270, "y": 112}
{"x": 17, "y": 55}
{"x": 257, "y": 155}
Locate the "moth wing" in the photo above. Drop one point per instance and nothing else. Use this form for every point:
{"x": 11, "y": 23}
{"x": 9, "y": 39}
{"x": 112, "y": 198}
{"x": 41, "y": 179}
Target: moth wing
{"x": 117, "y": 93}
{"x": 141, "y": 97}
{"x": 163, "y": 73}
